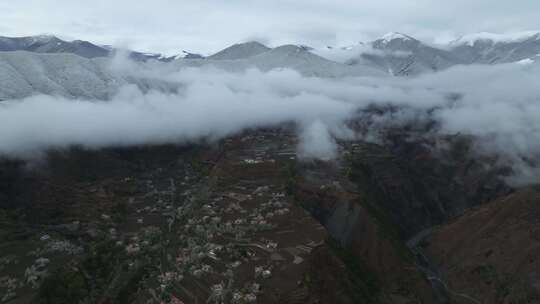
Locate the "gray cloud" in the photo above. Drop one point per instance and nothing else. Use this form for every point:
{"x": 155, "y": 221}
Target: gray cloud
{"x": 209, "y": 25}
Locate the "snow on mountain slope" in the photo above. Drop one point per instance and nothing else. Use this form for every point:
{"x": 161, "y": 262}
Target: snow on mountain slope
{"x": 188, "y": 55}
{"x": 52, "y": 44}
{"x": 343, "y": 54}
{"x": 394, "y": 53}
{"x": 403, "y": 55}
{"x": 394, "y": 36}
{"x": 25, "y": 73}
{"x": 48, "y": 67}
{"x": 493, "y": 49}
{"x": 240, "y": 51}
{"x": 290, "y": 57}
{"x": 471, "y": 39}
{"x": 307, "y": 63}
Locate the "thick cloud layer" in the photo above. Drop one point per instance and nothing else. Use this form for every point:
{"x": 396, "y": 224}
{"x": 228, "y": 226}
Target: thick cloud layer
{"x": 498, "y": 105}
{"x": 213, "y": 104}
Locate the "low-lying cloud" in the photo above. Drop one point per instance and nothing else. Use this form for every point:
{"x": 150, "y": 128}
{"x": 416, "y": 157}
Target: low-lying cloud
{"x": 355, "y": 52}
{"x": 498, "y": 105}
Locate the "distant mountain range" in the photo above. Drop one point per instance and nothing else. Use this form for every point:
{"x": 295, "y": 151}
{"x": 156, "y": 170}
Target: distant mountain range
{"x": 52, "y": 44}
{"x": 49, "y": 65}
{"x": 395, "y": 53}
{"x": 402, "y": 55}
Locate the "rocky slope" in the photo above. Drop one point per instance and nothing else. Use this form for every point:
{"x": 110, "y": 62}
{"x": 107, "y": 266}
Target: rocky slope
{"x": 490, "y": 255}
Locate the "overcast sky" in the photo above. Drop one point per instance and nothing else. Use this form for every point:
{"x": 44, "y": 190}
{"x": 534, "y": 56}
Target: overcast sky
{"x": 207, "y": 26}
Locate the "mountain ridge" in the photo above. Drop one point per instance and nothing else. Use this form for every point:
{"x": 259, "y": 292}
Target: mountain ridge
{"x": 403, "y": 55}
{"x": 86, "y": 49}
{"x": 395, "y": 53}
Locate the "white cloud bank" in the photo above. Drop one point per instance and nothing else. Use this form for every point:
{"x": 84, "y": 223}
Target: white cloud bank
{"x": 206, "y": 26}
{"x": 499, "y": 105}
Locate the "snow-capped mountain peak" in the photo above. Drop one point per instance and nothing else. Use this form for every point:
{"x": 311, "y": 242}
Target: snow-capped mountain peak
{"x": 395, "y": 35}
{"x": 188, "y": 55}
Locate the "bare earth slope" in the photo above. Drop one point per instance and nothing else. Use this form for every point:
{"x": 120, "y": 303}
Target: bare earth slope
{"x": 491, "y": 253}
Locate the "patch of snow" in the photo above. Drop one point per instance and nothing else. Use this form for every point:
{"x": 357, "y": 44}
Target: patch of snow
{"x": 525, "y": 61}
{"x": 340, "y": 54}
{"x": 348, "y": 53}
{"x": 25, "y": 73}
{"x": 395, "y": 35}
{"x": 471, "y": 39}
{"x": 43, "y": 38}
{"x": 180, "y": 56}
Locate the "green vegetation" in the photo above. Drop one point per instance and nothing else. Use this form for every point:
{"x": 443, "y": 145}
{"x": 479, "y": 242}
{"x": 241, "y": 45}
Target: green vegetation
{"x": 364, "y": 285}
{"x": 132, "y": 284}
{"x": 487, "y": 273}
{"x": 359, "y": 174}
{"x": 65, "y": 286}
{"x": 103, "y": 274}
{"x": 291, "y": 175}
{"x": 120, "y": 211}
